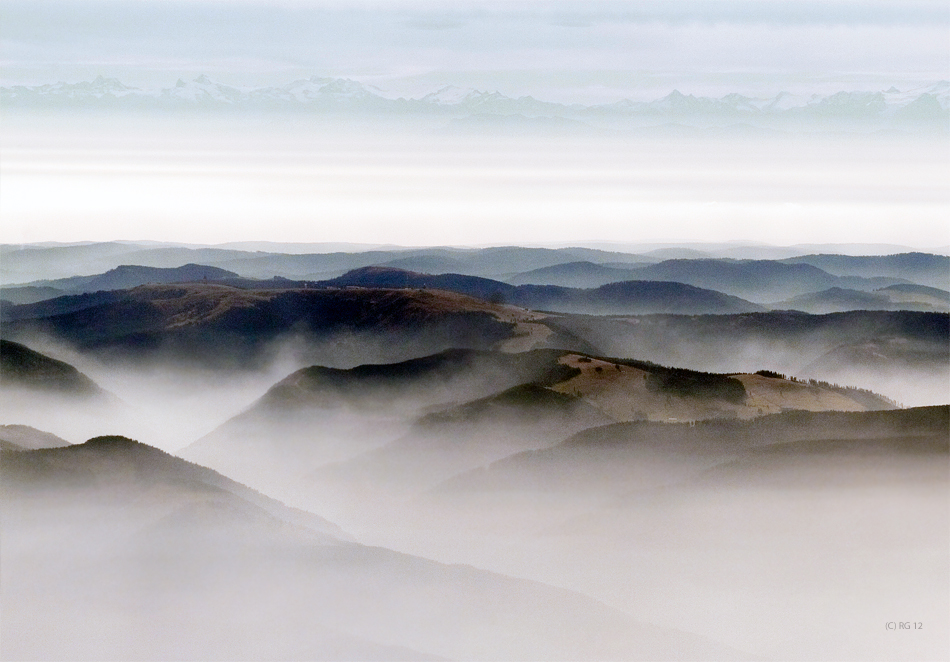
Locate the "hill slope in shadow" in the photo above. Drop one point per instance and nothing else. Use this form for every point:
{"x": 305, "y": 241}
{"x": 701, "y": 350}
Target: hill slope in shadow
{"x": 228, "y": 326}
{"x": 27, "y": 369}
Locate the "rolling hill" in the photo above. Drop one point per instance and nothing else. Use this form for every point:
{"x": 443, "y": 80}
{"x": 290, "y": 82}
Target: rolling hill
{"x": 596, "y": 391}
{"x": 634, "y": 390}
{"x": 417, "y": 422}
{"x": 122, "y": 465}
{"x": 843, "y": 348}
{"x": 450, "y": 375}
{"x": 623, "y": 389}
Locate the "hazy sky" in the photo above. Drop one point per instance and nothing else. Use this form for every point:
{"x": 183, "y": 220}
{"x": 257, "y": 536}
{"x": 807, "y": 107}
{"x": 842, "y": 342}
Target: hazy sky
{"x": 564, "y": 51}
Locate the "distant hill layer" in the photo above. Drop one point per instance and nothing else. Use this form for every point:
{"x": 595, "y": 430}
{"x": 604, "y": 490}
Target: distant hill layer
{"x": 630, "y": 298}
{"x": 26, "y": 438}
{"x": 921, "y": 268}
{"x": 761, "y": 281}
{"x": 23, "y": 264}
{"x": 691, "y": 286}
{"x": 31, "y": 265}
{"x": 28, "y": 294}
{"x": 641, "y": 290}
{"x": 756, "y": 280}
{"x": 121, "y": 278}
{"x": 921, "y": 290}
{"x": 894, "y": 297}
{"x": 829, "y": 330}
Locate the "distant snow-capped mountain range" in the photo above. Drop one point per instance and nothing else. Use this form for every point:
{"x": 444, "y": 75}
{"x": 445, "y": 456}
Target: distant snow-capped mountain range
{"x": 928, "y": 104}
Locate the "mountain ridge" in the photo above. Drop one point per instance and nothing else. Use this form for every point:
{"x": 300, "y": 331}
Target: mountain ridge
{"x": 927, "y": 105}
{"x": 216, "y": 324}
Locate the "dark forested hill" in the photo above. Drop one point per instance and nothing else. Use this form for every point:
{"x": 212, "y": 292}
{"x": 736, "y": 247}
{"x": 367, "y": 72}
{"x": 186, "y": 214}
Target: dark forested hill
{"x": 212, "y": 324}
{"x": 22, "y": 367}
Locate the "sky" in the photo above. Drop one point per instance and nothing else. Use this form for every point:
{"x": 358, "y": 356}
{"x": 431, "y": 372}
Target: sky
{"x": 560, "y": 51}
{"x": 76, "y": 177}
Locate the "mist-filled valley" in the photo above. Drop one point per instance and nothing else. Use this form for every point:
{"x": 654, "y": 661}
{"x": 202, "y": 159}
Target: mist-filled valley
{"x": 371, "y": 459}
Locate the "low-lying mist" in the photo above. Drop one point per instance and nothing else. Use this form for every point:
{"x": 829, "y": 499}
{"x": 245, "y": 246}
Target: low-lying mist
{"x": 165, "y": 560}
{"x": 171, "y": 401}
{"x": 164, "y": 406}
{"x": 793, "y": 550}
